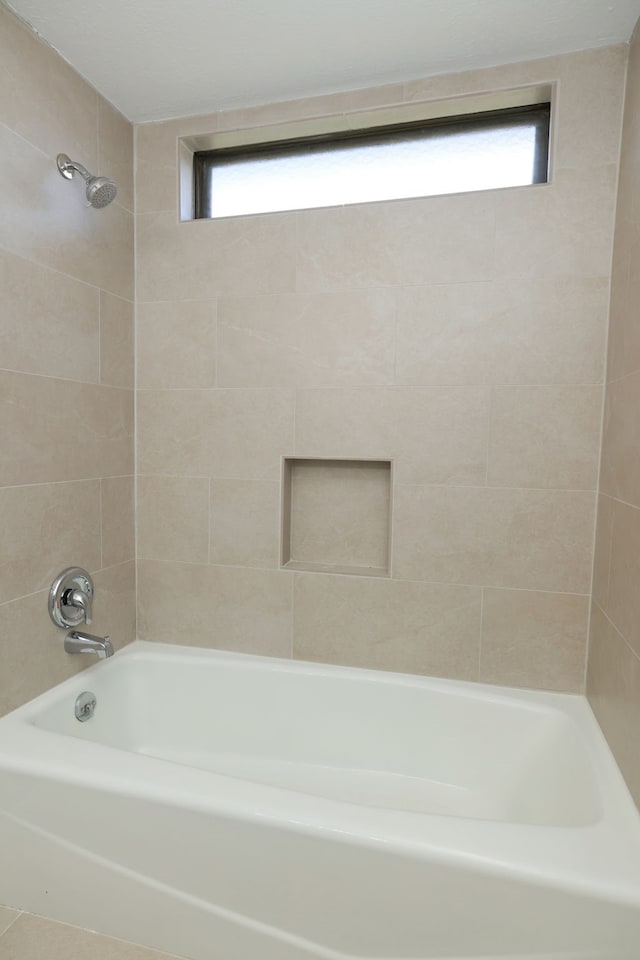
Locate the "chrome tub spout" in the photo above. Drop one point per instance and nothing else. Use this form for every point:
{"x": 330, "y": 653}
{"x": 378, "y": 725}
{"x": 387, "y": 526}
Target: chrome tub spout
{"x": 78, "y": 642}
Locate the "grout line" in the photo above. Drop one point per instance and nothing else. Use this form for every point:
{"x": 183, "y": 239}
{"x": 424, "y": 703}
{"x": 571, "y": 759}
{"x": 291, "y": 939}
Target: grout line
{"x": 618, "y": 633}
{"x": 61, "y": 273}
{"x": 361, "y": 387}
{"x": 294, "y": 435}
{"x": 47, "y": 376}
{"x": 98, "y": 137}
{"x": 296, "y": 261}
{"x": 45, "y": 590}
{"x": 363, "y": 576}
{"x": 616, "y": 212}
{"x": 625, "y": 503}
{"x": 135, "y": 379}
{"x": 625, "y": 376}
{"x": 209, "y": 517}
{"x": 488, "y": 435}
{"x": 489, "y": 281}
{"x": 292, "y": 638}
{"x": 216, "y": 360}
{"x": 100, "y": 512}
{"x": 398, "y": 483}
{"x": 19, "y": 913}
{"x": 479, "y": 673}
{"x": 475, "y": 486}
{"x": 100, "y": 323}
{"x": 55, "y": 483}
{"x": 609, "y": 553}
{"x": 391, "y": 522}
{"x": 396, "y": 336}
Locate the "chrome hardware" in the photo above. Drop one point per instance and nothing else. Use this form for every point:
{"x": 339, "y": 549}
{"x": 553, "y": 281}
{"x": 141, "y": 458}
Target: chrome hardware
{"x": 71, "y": 598}
{"x": 100, "y": 191}
{"x": 85, "y": 706}
{"x": 70, "y": 603}
{"x": 78, "y": 642}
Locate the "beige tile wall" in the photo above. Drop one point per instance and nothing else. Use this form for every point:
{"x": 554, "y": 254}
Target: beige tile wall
{"x": 66, "y": 362}
{"x": 24, "y": 936}
{"x": 613, "y": 681}
{"x": 462, "y": 336}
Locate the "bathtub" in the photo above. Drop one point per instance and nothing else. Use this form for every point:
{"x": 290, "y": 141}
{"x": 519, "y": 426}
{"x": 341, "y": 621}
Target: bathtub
{"x": 231, "y": 807}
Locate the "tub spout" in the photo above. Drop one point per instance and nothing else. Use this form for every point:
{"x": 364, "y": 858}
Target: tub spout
{"x": 78, "y": 642}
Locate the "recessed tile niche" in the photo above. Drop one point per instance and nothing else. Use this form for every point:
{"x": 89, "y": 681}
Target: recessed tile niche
{"x": 336, "y": 516}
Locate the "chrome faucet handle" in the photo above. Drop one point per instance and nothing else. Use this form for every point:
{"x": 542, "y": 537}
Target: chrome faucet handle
{"x": 83, "y": 601}
{"x": 71, "y": 598}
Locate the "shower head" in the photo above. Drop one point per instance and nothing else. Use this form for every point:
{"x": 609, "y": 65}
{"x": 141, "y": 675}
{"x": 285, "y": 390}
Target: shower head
{"x": 100, "y": 190}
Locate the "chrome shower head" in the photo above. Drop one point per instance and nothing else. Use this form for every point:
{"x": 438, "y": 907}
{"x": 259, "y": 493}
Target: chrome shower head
{"x": 100, "y": 190}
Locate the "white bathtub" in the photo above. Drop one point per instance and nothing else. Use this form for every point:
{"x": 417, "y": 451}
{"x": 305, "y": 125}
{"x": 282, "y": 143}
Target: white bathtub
{"x": 227, "y": 807}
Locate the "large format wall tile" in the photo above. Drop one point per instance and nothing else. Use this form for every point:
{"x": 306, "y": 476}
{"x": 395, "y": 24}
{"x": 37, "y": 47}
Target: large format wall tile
{"x": 214, "y": 433}
{"x": 532, "y": 539}
{"x": 437, "y": 434}
{"x": 388, "y": 624}
{"x": 613, "y": 685}
{"x": 623, "y": 606}
{"x": 116, "y": 341}
{"x": 320, "y": 340}
{"x": 545, "y": 437}
{"x": 115, "y": 604}
{"x": 549, "y": 330}
{"x": 589, "y": 99}
{"x": 462, "y": 337}
{"x": 621, "y": 440}
{"x": 115, "y": 151}
{"x": 176, "y": 344}
{"x": 32, "y": 658}
{"x": 602, "y": 551}
{"x": 532, "y": 639}
{"x": 346, "y": 101}
{"x": 7, "y": 917}
{"x": 245, "y": 522}
{"x": 27, "y": 936}
{"x": 208, "y": 258}
{"x": 613, "y": 675}
{"x": 43, "y": 99}
{"x": 623, "y": 356}
{"x": 66, "y": 397}
{"x": 561, "y": 228}
{"x": 43, "y": 526}
{"x": 118, "y": 520}
{"x": 173, "y": 518}
{"x": 46, "y": 218}
{"x": 229, "y": 608}
{"x": 438, "y": 240}
{"x": 50, "y": 321}
{"x": 63, "y": 430}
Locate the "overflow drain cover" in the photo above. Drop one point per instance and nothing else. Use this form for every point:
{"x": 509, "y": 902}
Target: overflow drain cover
{"x": 85, "y": 706}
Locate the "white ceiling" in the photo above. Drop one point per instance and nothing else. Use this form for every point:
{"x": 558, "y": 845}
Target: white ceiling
{"x": 156, "y": 59}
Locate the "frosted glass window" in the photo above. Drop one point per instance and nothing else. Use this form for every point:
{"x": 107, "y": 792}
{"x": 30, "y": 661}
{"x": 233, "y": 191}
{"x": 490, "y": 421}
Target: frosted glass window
{"x": 419, "y": 160}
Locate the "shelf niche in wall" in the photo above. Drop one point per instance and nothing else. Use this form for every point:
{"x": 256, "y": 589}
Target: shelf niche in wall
{"x": 336, "y": 516}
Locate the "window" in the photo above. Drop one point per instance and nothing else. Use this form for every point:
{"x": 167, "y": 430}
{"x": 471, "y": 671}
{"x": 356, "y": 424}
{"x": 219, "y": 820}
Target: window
{"x": 481, "y": 151}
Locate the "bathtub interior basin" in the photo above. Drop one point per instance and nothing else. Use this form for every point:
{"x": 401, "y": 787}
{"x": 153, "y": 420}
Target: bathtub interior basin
{"x": 365, "y": 740}
{"x": 223, "y": 807}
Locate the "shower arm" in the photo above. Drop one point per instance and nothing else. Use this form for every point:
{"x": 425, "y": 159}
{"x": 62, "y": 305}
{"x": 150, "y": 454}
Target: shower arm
{"x": 68, "y": 167}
